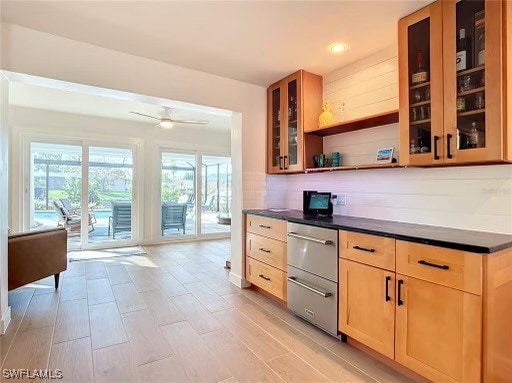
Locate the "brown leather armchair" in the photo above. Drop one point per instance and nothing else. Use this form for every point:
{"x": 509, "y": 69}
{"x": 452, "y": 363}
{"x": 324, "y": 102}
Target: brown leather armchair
{"x": 35, "y": 255}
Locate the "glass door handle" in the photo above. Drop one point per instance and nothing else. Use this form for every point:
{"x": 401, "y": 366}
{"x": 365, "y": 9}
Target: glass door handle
{"x": 448, "y": 145}
{"x": 436, "y": 140}
{"x": 285, "y": 166}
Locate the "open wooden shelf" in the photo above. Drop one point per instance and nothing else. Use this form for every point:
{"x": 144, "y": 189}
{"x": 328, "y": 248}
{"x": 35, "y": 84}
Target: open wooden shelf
{"x": 423, "y": 84}
{"x": 353, "y": 167}
{"x": 419, "y": 103}
{"x": 471, "y": 91}
{"x": 357, "y": 124}
{"x": 472, "y": 70}
{"x": 419, "y": 122}
{"x": 471, "y": 113}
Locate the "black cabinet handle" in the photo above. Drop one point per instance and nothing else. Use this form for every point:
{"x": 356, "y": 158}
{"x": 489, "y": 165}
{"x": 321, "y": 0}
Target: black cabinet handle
{"x": 448, "y": 146}
{"x": 280, "y": 162}
{"x": 265, "y": 250}
{"x": 264, "y": 277}
{"x": 436, "y": 139}
{"x": 285, "y": 166}
{"x": 399, "y": 300}
{"x": 388, "y": 279}
{"x": 425, "y": 263}
{"x": 265, "y": 226}
{"x": 363, "y": 249}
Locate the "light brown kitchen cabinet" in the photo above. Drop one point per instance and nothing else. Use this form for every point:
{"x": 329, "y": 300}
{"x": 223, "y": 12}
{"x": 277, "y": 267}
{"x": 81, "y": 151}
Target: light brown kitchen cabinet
{"x": 450, "y": 308}
{"x": 452, "y": 110}
{"x": 265, "y": 254}
{"x": 438, "y": 331}
{"x": 367, "y": 310}
{"x": 294, "y": 103}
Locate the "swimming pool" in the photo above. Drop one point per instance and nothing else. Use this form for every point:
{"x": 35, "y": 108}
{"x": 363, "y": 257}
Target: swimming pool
{"x": 52, "y": 215}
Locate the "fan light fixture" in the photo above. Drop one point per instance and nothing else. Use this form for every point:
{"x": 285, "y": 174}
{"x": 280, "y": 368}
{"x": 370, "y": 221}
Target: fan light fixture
{"x": 338, "y": 48}
{"x": 166, "y": 124}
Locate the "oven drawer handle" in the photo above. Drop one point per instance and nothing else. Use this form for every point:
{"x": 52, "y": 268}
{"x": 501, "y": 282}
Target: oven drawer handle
{"x": 364, "y": 249}
{"x": 311, "y": 239}
{"x": 316, "y": 291}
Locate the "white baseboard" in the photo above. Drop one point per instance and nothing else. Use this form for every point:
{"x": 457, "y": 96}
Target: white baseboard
{"x": 238, "y": 281}
{"x": 6, "y": 319}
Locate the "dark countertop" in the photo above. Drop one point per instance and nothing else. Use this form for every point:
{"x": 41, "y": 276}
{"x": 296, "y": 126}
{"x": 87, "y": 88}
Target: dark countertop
{"x": 465, "y": 240}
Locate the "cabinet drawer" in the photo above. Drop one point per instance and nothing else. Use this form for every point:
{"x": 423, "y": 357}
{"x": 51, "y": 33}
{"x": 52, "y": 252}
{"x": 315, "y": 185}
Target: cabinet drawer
{"x": 268, "y": 227}
{"x": 368, "y": 249}
{"x": 266, "y": 277}
{"x": 453, "y": 268}
{"x": 266, "y": 250}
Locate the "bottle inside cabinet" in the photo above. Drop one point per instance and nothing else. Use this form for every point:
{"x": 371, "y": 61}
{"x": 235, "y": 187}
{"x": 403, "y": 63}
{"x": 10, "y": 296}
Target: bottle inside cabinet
{"x": 420, "y": 130}
{"x": 470, "y": 68}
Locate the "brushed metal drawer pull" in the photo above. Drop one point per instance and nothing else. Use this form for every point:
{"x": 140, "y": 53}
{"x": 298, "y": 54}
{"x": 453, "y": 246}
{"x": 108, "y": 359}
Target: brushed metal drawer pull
{"x": 311, "y": 239}
{"x": 324, "y": 294}
{"x": 364, "y": 249}
{"x": 264, "y": 277}
{"x": 265, "y": 250}
{"x": 265, "y": 226}
{"x": 425, "y": 263}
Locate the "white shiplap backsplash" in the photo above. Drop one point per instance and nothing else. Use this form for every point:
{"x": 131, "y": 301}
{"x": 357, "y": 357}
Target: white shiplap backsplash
{"x": 474, "y": 197}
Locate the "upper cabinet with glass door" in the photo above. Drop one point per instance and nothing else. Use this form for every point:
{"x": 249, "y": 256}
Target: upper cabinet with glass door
{"x": 474, "y": 80}
{"x": 421, "y": 86}
{"x": 452, "y": 91}
{"x": 293, "y": 102}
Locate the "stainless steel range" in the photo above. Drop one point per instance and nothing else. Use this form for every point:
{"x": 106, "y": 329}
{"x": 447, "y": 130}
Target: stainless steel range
{"x": 313, "y": 275}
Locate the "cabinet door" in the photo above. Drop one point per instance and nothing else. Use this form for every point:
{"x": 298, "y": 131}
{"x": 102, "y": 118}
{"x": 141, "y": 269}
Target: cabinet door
{"x": 367, "y": 306}
{"x": 275, "y": 128}
{"x": 421, "y": 86}
{"x": 473, "y": 74}
{"x": 293, "y": 123}
{"x": 438, "y": 331}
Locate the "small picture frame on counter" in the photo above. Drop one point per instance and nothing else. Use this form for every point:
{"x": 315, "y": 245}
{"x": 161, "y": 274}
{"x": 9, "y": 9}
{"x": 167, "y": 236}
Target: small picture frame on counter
{"x": 384, "y": 156}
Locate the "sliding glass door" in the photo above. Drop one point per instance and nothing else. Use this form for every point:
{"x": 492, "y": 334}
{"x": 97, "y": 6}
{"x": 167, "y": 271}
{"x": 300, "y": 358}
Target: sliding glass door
{"x": 56, "y": 189}
{"x": 110, "y": 194}
{"x": 178, "y": 194}
{"x": 88, "y": 190}
{"x": 216, "y": 195}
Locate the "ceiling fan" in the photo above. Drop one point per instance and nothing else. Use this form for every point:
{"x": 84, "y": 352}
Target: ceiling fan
{"x": 166, "y": 122}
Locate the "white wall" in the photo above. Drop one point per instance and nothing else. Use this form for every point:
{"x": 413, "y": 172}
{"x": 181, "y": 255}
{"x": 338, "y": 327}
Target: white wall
{"x": 4, "y": 166}
{"x": 52, "y": 125}
{"x": 27, "y": 51}
{"x": 368, "y": 86}
{"x": 476, "y": 197}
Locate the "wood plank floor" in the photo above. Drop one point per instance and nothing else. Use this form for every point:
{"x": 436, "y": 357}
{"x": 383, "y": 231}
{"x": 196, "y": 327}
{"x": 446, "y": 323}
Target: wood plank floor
{"x": 171, "y": 316}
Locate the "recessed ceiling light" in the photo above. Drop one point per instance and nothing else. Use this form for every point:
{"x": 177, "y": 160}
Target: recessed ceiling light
{"x": 338, "y": 48}
{"x": 166, "y": 124}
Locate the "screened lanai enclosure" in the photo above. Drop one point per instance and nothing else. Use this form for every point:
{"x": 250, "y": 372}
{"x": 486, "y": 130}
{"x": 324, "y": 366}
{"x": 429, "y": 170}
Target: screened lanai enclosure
{"x": 190, "y": 206}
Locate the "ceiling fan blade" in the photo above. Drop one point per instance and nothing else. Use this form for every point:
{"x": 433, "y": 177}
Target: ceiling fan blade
{"x": 146, "y": 115}
{"x": 196, "y": 122}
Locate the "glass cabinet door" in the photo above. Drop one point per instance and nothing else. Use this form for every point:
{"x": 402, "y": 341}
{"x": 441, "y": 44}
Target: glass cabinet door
{"x": 421, "y": 92}
{"x": 293, "y": 155}
{"x": 472, "y": 72}
{"x": 275, "y": 127}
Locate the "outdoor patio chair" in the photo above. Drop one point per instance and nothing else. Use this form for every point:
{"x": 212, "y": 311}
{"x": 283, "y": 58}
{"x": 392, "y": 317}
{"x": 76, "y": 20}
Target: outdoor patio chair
{"x": 76, "y": 211}
{"x": 210, "y": 204}
{"x": 69, "y": 221}
{"x": 121, "y": 218}
{"x": 174, "y": 216}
